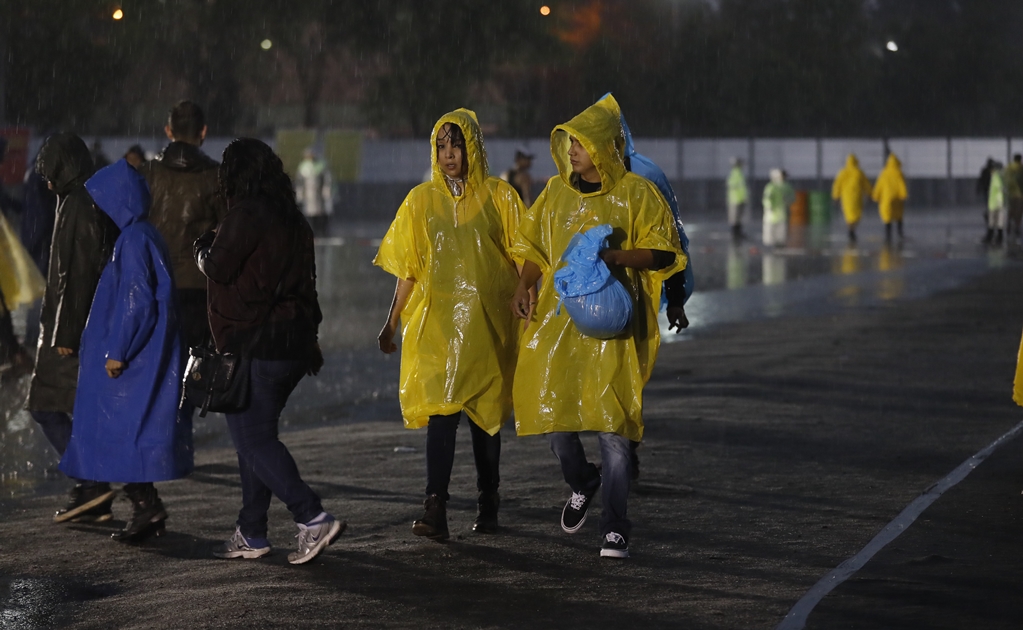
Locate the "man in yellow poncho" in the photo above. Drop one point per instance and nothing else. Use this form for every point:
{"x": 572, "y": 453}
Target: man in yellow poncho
{"x": 449, "y": 248}
{"x": 852, "y": 187}
{"x": 996, "y": 204}
{"x": 778, "y": 196}
{"x": 890, "y": 195}
{"x": 738, "y": 196}
{"x": 565, "y": 381}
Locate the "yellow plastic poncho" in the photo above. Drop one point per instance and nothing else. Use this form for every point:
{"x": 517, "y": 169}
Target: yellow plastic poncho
{"x": 20, "y": 279}
{"x": 1017, "y": 384}
{"x": 566, "y": 381}
{"x": 459, "y": 335}
{"x": 890, "y": 190}
{"x": 852, "y": 187}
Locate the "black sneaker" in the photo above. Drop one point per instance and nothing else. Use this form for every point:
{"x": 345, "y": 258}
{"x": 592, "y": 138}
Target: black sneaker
{"x": 615, "y": 546}
{"x": 574, "y": 514}
{"x": 434, "y": 524}
{"x": 486, "y": 517}
{"x": 84, "y": 499}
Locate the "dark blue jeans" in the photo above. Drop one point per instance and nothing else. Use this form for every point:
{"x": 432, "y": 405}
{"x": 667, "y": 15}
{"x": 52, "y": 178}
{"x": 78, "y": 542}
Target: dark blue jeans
{"x": 56, "y": 426}
{"x": 613, "y": 478}
{"x": 440, "y": 455}
{"x": 267, "y": 468}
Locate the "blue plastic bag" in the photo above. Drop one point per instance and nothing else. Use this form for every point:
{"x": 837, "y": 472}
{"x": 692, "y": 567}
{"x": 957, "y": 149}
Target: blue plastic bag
{"x": 595, "y": 300}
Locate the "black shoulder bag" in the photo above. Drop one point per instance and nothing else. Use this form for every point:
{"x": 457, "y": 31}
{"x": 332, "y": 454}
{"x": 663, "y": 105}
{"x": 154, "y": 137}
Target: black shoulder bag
{"x": 219, "y": 381}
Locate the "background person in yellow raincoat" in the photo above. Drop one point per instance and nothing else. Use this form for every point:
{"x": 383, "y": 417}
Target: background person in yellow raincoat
{"x": 852, "y": 187}
{"x": 890, "y": 195}
{"x": 449, "y": 248}
{"x": 566, "y": 382}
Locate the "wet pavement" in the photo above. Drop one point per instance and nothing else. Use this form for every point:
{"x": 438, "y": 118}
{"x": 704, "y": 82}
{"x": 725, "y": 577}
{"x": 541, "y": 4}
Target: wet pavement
{"x": 819, "y": 390}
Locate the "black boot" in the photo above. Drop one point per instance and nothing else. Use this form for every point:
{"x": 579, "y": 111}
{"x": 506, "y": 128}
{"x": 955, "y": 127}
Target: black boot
{"x": 998, "y": 237}
{"x": 852, "y": 236}
{"x": 487, "y": 505}
{"x": 148, "y": 515}
{"x": 888, "y": 232}
{"x": 88, "y": 504}
{"x": 901, "y": 235}
{"x": 988, "y": 236}
{"x": 434, "y": 524}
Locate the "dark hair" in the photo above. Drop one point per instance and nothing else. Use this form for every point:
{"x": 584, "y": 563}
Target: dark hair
{"x": 186, "y": 121}
{"x": 137, "y": 150}
{"x": 454, "y": 134}
{"x": 250, "y": 168}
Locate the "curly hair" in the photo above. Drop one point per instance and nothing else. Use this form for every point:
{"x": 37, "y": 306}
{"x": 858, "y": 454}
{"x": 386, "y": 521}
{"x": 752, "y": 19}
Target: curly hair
{"x": 250, "y": 168}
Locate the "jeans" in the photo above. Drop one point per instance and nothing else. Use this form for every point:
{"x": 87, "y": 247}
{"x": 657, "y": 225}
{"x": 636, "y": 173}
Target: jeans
{"x": 440, "y": 455}
{"x": 56, "y": 426}
{"x": 267, "y": 468}
{"x": 613, "y": 478}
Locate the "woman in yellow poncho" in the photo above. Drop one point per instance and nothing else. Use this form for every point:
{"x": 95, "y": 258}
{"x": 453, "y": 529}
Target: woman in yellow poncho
{"x": 449, "y": 248}
{"x": 567, "y": 382}
{"x": 890, "y": 195}
{"x": 852, "y": 187}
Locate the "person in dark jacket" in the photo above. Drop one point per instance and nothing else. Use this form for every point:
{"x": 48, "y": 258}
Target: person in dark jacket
{"x": 83, "y": 238}
{"x": 186, "y": 204}
{"x": 37, "y": 217}
{"x": 262, "y": 301}
{"x": 126, "y": 426}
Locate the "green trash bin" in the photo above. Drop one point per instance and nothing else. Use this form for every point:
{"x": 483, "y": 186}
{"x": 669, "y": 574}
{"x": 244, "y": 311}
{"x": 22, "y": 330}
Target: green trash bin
{"x": 820, "y": 208}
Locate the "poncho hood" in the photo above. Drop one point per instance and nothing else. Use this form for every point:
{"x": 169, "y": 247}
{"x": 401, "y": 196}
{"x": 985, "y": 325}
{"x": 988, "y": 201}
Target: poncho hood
{"x": 475, "y": 153}
{"x": 121, "y": 192}
{"x": 599, "y": 129}
{"x": 65, "y": 162}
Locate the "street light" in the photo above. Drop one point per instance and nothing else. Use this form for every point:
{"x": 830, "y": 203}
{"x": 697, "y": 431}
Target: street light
{"x": 118, "y": 14}
{"x": 545, "y": 10}
{"x": 266, "y": 44}
{"x": 892, "y": 46}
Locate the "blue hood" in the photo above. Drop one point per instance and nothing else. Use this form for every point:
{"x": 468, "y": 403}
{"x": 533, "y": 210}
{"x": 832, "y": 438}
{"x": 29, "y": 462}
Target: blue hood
{"x": 121, "y": 192}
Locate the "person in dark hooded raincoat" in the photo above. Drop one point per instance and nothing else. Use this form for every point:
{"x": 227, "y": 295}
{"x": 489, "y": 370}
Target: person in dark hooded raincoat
{"x": 83, "y": 238}
{"x": 126, "y": 426}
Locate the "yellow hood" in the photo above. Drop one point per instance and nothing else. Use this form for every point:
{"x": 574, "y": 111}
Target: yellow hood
{"x": 599, "y": 129}
{"x": 852, "y": 162}
{"x": 893, "y": 163}
{"x": 475, "y": 153}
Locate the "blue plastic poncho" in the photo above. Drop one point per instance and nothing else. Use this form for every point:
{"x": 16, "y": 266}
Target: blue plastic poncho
{"x": 127, "y": 429}
{"x": 595, "y": 300}
{"x": 644, "y": 167}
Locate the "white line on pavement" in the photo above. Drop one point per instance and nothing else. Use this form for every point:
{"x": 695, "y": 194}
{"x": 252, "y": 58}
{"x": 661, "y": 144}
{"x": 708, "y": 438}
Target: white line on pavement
{"x": 796, "y": 619}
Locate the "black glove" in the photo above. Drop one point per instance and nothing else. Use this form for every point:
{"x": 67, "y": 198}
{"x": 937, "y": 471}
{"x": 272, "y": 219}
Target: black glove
{"x": 201, "y": 245}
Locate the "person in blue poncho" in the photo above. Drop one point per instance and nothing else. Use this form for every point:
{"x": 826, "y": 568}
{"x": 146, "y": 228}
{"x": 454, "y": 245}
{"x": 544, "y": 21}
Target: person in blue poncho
{"x": 678, "y": 287}
{"x": 126, "y": 426}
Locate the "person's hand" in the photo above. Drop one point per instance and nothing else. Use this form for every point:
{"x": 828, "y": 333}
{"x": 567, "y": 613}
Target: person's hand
{"x": 64, "y": 352}
{"x": 610, "y": 256}
{"x": 523, "y": 303}
{"x": 315, "y": 360}
{"x": 677, "y": 319}
{"x": 114, "y": 368}
{"x": 386, "y": 338}
{"x": 203, "y": 242}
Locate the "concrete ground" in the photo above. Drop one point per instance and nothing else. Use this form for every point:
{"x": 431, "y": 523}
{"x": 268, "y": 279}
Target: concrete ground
{"x": 775, "y": 450}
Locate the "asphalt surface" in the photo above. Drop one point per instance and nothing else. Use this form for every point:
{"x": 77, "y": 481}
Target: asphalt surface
{"x": 775, "y": 450}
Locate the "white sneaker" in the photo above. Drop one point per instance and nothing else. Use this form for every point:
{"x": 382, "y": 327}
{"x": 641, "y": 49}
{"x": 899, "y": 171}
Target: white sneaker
{"x": 314, "y": 536}
{"x": 238, "y": 547}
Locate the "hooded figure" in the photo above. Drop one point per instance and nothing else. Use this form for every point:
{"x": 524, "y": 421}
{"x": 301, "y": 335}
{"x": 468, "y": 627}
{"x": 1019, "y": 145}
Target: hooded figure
{"x": 449, "y": 246}
{"x": 459, "y": 339}
{"x": 126, "y": 429}
{"x": 890, "y": 194}
{"x": 778, "y": 196}
{"x": 83, "y": 238}
{"x": 679, "y": 286}
{"x": 852, "y": 187}
{"x": 566, "y": 381}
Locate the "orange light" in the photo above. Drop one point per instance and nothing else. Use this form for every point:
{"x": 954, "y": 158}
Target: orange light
{"x": 545, "y": 10}
{"x": 118, "y": 14}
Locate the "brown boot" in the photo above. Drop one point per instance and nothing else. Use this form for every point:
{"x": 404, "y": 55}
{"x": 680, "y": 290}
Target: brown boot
{"x": 434, "y": 524}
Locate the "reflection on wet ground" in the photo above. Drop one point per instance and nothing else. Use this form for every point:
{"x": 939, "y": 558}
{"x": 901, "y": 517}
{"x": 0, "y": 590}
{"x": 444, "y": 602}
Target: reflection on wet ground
{"x": 817, "y": 272}
{"x": 29, "y": 603}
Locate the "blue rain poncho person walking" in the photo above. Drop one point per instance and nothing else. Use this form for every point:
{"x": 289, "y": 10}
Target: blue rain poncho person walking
{"x": 126, "y": 427}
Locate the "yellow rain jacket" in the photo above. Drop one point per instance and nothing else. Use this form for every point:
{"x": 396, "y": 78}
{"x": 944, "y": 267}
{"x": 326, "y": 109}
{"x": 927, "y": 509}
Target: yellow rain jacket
{"x": 566, "y": 381}
{"x": 20, "y": 280}
{"x": 852, "y": 187}
{"x": 1017, "y": 384}
{"x": 890, "y": 190}
{"x": 459, "y": 335}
